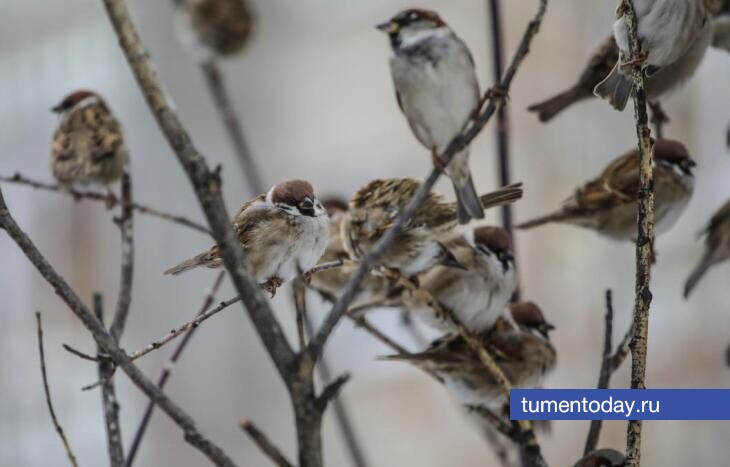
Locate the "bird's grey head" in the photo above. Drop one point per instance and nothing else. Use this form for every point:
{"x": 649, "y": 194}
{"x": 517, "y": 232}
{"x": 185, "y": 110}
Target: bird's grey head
{"x": 409, "y": 26}
{"x": 77, "y": 98}
{"x": 529, "y": 317}
{"x": 496, "y": 242}
{"x": 296, "y": 197}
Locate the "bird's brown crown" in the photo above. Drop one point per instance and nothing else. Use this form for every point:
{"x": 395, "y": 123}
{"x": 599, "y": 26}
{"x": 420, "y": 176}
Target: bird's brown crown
{"x": 670, "y": 150}
{"x": 74, "y": 98}
{"x": 494, "y": 238}
{"x": 527, "y": 314}
{"x": 413, "y": 15}
{"x": 292, "y": 192}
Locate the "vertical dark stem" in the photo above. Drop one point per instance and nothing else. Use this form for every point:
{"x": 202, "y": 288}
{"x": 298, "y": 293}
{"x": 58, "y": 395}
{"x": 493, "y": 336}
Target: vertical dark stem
{"x": 503, "y": 143}
{"x": 109, "y": 403}
{"x": 343, "y": 417}
{"x": 217, "y": 86}
{"x": 126, "y": 228}
{"x": 604, "y": 376}
{"x": 645, "y": 236}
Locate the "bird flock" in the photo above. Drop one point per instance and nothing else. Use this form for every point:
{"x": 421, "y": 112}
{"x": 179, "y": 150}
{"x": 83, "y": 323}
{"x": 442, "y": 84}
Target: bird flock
{"x": 470, "y": 273}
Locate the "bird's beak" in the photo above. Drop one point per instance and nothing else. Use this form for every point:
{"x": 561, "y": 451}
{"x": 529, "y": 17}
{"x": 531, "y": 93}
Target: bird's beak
{"x": 388, "y": 27}
{"x": 545, "y": 329}
{"x": 57, "y": 109}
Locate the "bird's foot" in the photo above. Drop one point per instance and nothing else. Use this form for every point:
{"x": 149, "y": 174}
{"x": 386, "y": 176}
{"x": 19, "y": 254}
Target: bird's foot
{"x": 438, "y": 162}
{"x": 495, "y": 92}
{"x": 638, "y": 59}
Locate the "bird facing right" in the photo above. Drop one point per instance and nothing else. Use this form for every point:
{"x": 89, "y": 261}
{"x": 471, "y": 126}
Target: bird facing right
{"x": 521, "y": 349}
{"x": 283, "y": 233}
{"x": 375, "y": 207}
{"x": 437, "y": 89}
{"x": 717, "y": 246}
{"x": 608, "y": 204}
{"x": 478, "y": 293}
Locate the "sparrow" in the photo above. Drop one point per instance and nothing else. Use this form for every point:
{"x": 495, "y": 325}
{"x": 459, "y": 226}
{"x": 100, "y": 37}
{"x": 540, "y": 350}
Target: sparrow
{"x": 717, "y": 246}
{"x": 221, "y": 27}
{"x": 669, "y": 31}
{"x": 437, "y": 90}
{"x": 375, "y": 207}
{"x": 88, "y": 144}
{"x": 333, "y": 281}
{"x": 520, "y": 347}
{"x": 478, "y": 293}
{"x": 602, "y": 458}
{"x": 607, "y": 204}
{"x": 283, "y": 232}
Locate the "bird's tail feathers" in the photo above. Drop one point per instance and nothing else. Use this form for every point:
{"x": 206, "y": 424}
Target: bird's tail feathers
{"x": 199, "y": 260}
{"x": 697, "y": 274}
{"x": 615, "y": 88}
{"x": 468, "y": 205}
{"x": 552, "y": 217}
{"x": 549, "y": 108}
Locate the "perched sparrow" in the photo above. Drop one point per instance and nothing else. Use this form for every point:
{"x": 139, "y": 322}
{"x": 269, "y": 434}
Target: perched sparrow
{"x": 602, "y": 458}
{"x": 669, "y": 30}
{"x": 374, "y": 208}
{"x": 220, "y": 26}
{"x": 477, "y": 294}
{"x": 717, "y": 246}
{"x": 88, "y": 145}
{"x": 437, "y": 90}
{"x": 332, "y": 281}
{"x": 604, "y": 60}
{"x": 607, "y": 204}
{"x": 282, "y": 233}
{"x": 522, "y": 351}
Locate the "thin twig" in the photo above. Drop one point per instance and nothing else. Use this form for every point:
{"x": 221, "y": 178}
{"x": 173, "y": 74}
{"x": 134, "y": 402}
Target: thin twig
{"x": 266, "y": 446}
{"x": 604, "y": 376}
{"x": 224, "y": 106}
{"x": 126, "y": 229}
{"x": 189, "y": 326}
{"x": 109, "y": 402}
{"x": 78, "y": 194}
{"x": 79, "y": 353}
{"x": 622, "y": 349}
{"x": 167, "y": 370}
{"x": 470, "y": 132}
{"x": 300, "y": 305}
{"x": 503, "y": 126}
{"x": 341, "y": 413}
{"x": 645, "y": 236}
{"x": 49, "y": 403}
{"x": 106, "y": 341}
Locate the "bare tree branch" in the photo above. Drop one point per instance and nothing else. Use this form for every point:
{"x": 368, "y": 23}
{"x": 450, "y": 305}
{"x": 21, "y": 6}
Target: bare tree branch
{"x": 645, "y": 236}
{"x": 109, "y": 402}
{"x": 167, "y": 370}
{"x": 217, "y": 86}
{"x": 472, "y": 129}
{"x": 126, "y": 228}
{"x": 604, "y": 376}
{"x": 78, "y": 195}
{"x": 107, "y": 343}
{"x": 79, "y": 353}
{"x": 268, "y": 448}
{"x": 49, "y": 403}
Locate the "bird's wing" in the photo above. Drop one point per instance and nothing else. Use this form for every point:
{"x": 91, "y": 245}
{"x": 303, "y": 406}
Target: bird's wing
{"x": 106, "y": 131}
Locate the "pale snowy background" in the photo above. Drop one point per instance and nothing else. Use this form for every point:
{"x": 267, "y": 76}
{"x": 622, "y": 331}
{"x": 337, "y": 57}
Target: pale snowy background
{"x": 314, "y": 93}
